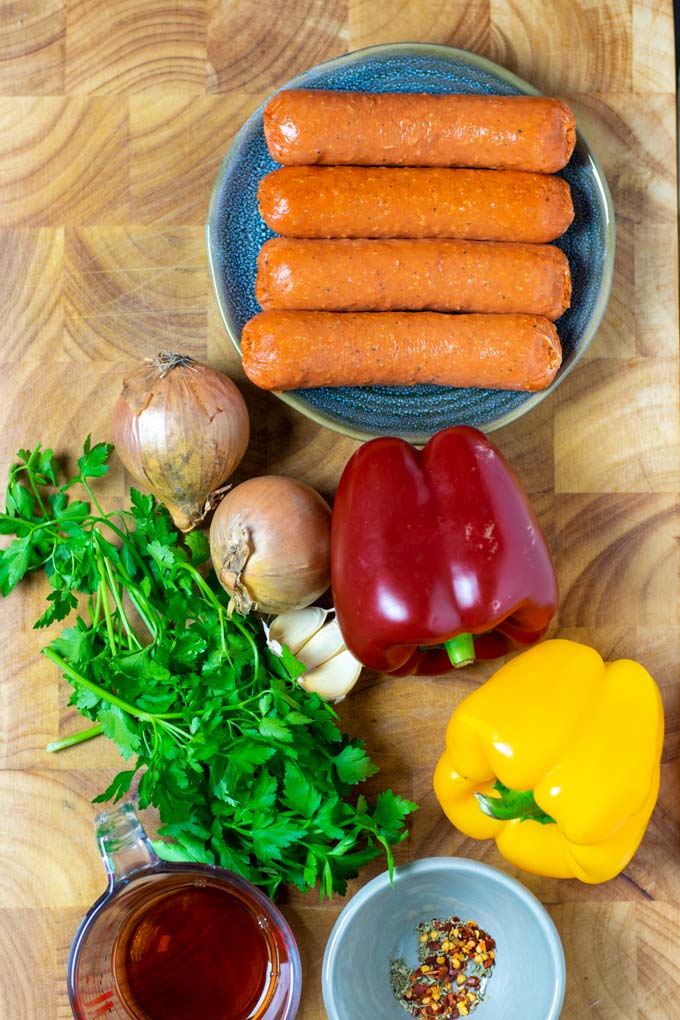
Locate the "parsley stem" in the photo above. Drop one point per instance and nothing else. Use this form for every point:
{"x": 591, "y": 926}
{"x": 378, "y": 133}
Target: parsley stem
{"x": 225, "y": 648}
{"x": 223, "y": 637}
{"x": 78, "y": 678}
{"x": 105, "y": 601}
{"x": 93, "y": 498}
{"x": 76, "y": 738}
{"x": 97, "y": 607}
{"x": 253, "y": 646}
{"x": 291, "y": 701}
{"x": 236, "y": 828}
{"x": 48, "y": 525}
{"x": 112, "y": 699}
{"x": 105, "y": 566}
{"x": 210, "y": 595}
{"x": 154, "y": 730}
{"x": 36, "y": 493}
{"x": 28, "y": 468}
{"x": 176, "y": 731}
{"x": 140, "y": 602}
{"x": 122, "y": 615}
{"x": 134, "y": 596}
{"x": 254, "y": 697}
{"x": 200, "y": 583}
{"x": 124, "y": 536}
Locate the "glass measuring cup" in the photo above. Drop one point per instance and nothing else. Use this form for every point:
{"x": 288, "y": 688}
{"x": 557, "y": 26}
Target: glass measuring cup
{"x": 148, "y": 903}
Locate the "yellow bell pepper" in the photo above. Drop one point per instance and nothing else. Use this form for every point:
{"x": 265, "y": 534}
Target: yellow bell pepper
{"x": 557, "y": 758}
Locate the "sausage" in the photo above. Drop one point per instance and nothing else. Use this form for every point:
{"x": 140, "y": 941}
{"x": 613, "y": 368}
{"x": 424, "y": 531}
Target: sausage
{"x": 353, "y": 201}
{"x": 441, "y": 275}
{"x": 291, "y": 350}
{"x": 405, "y": 129}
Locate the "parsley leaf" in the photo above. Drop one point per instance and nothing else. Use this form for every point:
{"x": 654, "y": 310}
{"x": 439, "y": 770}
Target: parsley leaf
{"x": 93, "y": 464}
{"x": 275, "y": 730}
{"x": 198, "y": 545}
{"x": 353, "y": 764}
{"x": 14, "y": 562}
{"x": 117, "y": 788}
{"x": 299, "y": 793}
{"x": 117, "y": 726}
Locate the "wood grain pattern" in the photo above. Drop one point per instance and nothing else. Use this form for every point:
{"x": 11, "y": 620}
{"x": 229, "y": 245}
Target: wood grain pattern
{"x": 251, "y": 49}
{"x": 55, "y": 153}
{"x": 598, "y": 32}
{"x": 638, "y": 452}
{"x": 114, "y": 118}
{"x": 177, "y": 143}
{"x": 32, "y": 48}
{"x": 128, "y": 47}
{"x": 434, "y": 21}
{"x": 131, "y": 291}
{"x": 31, "y": 307}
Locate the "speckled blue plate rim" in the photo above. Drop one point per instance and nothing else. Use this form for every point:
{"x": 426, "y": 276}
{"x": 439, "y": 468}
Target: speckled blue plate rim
{"x": 462, "y": 865}
{"x": 406, "y": 49}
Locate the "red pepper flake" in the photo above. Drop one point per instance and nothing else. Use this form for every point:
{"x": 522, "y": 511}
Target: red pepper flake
{"x": 455, "y": 956}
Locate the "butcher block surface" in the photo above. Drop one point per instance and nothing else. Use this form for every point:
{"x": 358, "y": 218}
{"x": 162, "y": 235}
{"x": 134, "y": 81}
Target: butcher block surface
{"x": 114, "y": 118}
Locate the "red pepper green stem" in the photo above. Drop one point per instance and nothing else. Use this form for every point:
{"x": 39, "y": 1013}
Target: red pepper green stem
{"x": 461, "y": 650}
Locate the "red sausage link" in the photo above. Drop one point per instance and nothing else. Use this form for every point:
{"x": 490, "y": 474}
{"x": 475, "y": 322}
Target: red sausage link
{"x": 415, "y": 275}
{"x": 352, "y": 201}
{"x": 290, "y": 350}
{"x": 304, "y": 126}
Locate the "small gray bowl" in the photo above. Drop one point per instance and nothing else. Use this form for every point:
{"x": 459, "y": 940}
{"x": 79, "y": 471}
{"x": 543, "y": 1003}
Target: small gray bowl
{"x": 378, "y": 924}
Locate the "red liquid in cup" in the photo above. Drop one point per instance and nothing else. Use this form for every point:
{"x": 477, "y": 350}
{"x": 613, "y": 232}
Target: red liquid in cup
{"x": 195, "y": 952}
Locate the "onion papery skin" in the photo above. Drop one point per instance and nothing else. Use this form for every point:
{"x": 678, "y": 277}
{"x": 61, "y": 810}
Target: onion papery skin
{"x": 270, "y": 544}
{"x": 181, "y": 429}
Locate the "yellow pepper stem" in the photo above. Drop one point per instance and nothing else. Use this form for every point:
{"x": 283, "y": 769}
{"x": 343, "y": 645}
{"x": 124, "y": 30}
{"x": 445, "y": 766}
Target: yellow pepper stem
{"x": 513, "y": 804}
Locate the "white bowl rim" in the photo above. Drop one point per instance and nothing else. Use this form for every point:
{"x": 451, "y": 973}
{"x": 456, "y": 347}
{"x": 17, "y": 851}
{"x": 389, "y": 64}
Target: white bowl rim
{"x": 461, "y": 865}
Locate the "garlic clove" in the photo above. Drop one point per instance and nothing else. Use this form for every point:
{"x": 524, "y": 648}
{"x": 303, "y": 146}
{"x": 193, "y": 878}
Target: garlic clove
{"x": 295, "y": 628}
{"x": 334, "y": 678}
{"x": 322, "y": 646}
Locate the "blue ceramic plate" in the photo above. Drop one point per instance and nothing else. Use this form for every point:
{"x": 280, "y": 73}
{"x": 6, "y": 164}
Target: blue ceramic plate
{"x": 235, "y": 234}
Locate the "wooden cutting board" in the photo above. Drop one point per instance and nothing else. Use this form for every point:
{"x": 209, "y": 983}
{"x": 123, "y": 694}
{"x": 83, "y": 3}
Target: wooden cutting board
{"x": 113, "y": 120}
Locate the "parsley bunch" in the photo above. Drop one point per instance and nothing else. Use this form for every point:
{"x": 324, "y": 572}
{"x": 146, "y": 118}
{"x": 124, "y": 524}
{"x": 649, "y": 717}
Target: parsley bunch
{"x": 247, "y": 769}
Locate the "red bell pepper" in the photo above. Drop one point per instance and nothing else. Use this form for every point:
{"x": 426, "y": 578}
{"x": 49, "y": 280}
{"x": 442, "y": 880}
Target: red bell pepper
{"x": 437, "y": 547}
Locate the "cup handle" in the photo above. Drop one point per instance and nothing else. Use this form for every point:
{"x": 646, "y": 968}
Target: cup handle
{"x": 123, "y": 843}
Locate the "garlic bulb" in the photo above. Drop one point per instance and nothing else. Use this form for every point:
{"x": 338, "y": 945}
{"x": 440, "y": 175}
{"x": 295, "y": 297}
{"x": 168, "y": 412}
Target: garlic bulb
{"x": 332, "y": 669}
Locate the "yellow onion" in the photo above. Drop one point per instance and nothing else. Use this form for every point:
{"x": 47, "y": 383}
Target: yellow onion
{"x": 270, "y": 544}
{"x": 181, "y": 429}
